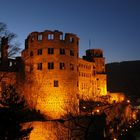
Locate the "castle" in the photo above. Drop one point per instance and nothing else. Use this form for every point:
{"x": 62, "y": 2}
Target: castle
{"x": 50, "y": 73}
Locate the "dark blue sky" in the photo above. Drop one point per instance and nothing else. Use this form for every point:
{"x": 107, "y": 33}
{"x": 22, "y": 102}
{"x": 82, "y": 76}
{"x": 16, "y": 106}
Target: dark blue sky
{"x": 112, "y": 25}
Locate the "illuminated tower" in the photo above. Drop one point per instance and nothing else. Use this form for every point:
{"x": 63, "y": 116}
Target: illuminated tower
{"x": 51, "y": 60}
{"x": 96, "y": 56}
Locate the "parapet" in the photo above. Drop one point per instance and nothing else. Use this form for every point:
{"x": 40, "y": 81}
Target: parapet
{"x": 94, "y": 52}
{"x": 51, "y": 36}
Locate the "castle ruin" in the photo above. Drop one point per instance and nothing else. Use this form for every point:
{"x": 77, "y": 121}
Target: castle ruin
{"x": 50, "y": 73}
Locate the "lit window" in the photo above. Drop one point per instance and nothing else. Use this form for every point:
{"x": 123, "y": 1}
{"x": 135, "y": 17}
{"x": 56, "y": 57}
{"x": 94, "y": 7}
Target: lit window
{"x": 71, "y": 53}
{"x": 50, "y": 50}
{"x": 56, "y": 83}
{"x": 50, "y": 36}
{"x": 71, "y": 66}
{"x": 39, "y": 37}
{"x": 39, "y": 51}
{"x": 62, "y": 66}
{"x": 50, "y": 65}
{"x": 39, "y": 66}
{"x": 62, "y": 51}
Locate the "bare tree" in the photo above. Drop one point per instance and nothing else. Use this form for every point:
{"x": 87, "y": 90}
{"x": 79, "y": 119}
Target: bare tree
{"x": 10, "y": 36}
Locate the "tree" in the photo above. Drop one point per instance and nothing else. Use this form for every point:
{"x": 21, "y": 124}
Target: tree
{"x": 13, "y": 46}
{"x": 12, "y": 113}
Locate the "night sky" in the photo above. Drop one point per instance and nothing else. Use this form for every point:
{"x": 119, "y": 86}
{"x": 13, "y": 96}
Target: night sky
{"x": 112, "y": 25}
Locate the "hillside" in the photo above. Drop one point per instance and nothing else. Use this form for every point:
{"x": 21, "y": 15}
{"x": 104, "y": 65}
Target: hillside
{"x": 124, "y": 77}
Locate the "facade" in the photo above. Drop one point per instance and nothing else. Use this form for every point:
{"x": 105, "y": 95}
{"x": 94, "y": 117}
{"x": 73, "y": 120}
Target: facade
{"x": 53, "y": 78}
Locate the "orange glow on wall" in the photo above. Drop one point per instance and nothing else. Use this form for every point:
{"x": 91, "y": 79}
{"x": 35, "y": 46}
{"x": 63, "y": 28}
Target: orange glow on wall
{"x": 49, "y": 130}
{"x": 52, "y": 105}
{"x": 116, "y": 97}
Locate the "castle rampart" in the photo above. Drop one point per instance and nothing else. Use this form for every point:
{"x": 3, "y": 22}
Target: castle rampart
{"x": 51, "y": 63}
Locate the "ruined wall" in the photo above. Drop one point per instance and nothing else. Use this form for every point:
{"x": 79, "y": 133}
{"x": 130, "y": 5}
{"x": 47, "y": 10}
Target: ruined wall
{"x": 55, "y": 76}
{"x": 51, "y": 60}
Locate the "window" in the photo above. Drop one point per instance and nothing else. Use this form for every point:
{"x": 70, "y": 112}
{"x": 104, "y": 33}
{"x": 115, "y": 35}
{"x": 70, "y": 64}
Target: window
{"x": 50, "y": 36}
{"x": 71, "y": 39}
{"x": 31, "y": 53}
{"x": 62, "y": 51}
{"x": 71, "y": 66}
{"x": 61, "y": 37}
{"x": 32, "y": 38}
{"x": 62, "y": 66}
{"x": 39, "y": 66}
{"x": 71, "y": 53}
{"x": 39, "y": 51}
{"x": 31, "y": 67}
{"x": 77, "y": 43}
{"x": 56, "y": 83}
{"x": 50, "y": 50}
{"x": 10, "y": 64}
{"x": 39, "y": 37}
{"x": 50, "y": 65}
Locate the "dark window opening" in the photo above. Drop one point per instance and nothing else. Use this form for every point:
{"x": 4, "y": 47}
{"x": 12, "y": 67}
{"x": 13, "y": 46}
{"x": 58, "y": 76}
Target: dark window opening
{"x": 39, "y": 66}
{"x": 31, "y": 67}
{"x": 62, "y": 66}
{"x": 71, "y": 53}
{"x": 31, "y": 53}
{"x": 71, "y": 66}
{"x": 77, "y": 43}
{"x": 50, "y": 50}
{"x": 62, "y": 51}
{"x": 32, "y": 38}
{"x": 71, "y": 39}
{"x": 56, "y": 83}
{"x": 50, "y": 65}
{"x": 39, "y": 51}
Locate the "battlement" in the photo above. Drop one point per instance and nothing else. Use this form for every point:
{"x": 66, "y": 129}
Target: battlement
{"x": 94, "y": 53}
{"x": 51, "y": 36}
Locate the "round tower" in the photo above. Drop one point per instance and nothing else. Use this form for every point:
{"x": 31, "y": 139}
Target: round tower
{"x": 51, "y": 60}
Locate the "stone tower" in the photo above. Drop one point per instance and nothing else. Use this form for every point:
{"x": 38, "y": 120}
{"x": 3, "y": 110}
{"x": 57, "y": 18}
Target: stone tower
{"x": 51, "y": 60}
{"x": 96, "y": 56}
